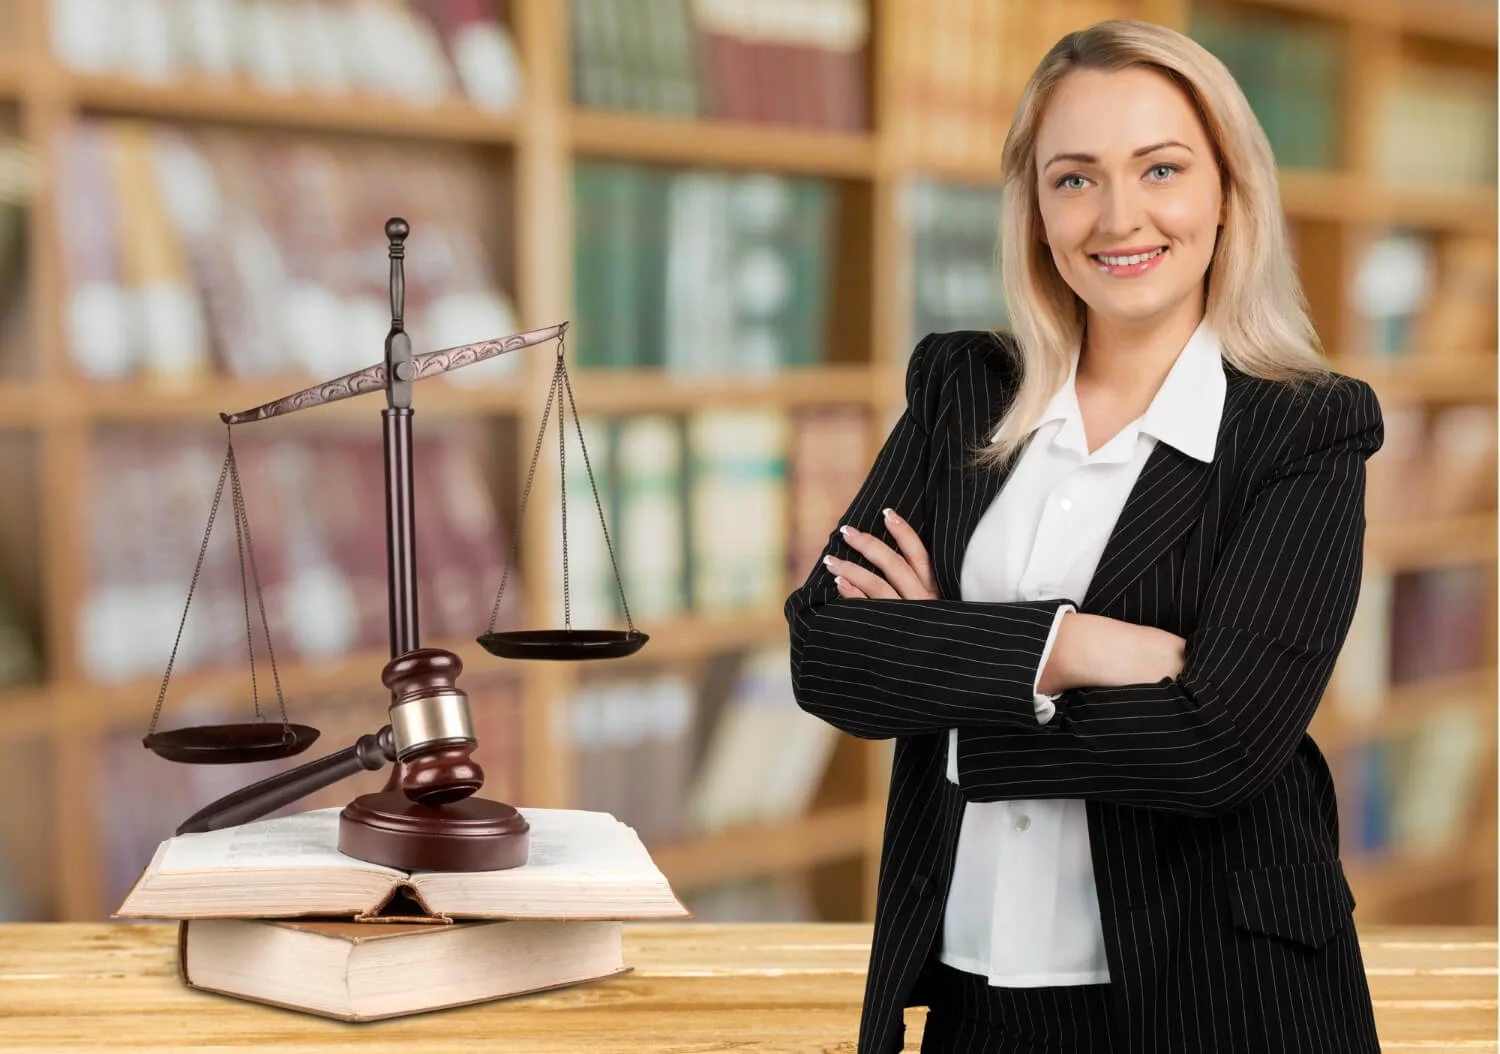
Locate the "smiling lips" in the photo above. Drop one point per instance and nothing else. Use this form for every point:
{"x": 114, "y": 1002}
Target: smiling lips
{"x": 1130, "y": 263}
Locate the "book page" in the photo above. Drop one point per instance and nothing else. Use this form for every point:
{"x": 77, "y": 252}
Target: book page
{"x": 573, "y": 841}
{"x": 579, "y": 865}
{"x": 302, "y": 840}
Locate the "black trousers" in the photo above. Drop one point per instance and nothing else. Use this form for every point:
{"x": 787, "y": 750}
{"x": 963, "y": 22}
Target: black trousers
{"x": 967, "y": 1015}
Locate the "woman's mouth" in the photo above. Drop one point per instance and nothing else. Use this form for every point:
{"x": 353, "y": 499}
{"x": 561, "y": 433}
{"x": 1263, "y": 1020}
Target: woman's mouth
{"x": 1128, "y": 265}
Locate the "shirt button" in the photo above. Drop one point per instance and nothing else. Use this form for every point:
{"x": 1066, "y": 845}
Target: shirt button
{"x": 1067, "y": 504}
{"x": 1023, "y": 822}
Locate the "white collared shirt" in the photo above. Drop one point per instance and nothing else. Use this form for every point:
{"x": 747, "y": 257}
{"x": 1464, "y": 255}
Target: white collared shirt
{"x": 1022, "y": 908}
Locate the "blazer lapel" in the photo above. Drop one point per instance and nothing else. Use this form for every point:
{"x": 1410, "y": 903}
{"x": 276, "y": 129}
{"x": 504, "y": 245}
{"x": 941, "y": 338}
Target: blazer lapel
{"x": 1167, "y": 499}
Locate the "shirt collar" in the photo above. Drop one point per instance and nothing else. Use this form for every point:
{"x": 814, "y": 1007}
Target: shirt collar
{"x": 1185, "y": 412}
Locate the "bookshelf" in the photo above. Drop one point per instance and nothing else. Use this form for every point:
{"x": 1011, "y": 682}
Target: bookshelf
{"x": 536, "y": 147}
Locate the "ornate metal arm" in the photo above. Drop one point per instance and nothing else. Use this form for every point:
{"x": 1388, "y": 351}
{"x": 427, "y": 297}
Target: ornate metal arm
{"x": 372, "y": 378}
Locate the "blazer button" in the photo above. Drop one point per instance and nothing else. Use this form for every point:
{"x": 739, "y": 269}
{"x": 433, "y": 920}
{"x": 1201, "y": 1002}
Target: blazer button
{"x": 921, "y": 885}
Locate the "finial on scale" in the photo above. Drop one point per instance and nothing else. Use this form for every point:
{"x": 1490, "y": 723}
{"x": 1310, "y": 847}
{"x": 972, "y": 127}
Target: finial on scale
{"x": 398, "y": 364}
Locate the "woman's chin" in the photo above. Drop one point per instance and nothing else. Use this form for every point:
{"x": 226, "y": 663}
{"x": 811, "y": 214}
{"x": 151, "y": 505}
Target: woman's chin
{"x": 1143, "y": 308}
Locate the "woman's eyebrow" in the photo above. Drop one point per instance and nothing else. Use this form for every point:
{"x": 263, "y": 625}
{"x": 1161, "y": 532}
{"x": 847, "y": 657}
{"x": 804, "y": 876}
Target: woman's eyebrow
{"x": 1090, "y": 159}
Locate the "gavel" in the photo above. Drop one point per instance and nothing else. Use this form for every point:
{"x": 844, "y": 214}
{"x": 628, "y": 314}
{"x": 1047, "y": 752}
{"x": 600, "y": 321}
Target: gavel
{"x": 430, "y": 738}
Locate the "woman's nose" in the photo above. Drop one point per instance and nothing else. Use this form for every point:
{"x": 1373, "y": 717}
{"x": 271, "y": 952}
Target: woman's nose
{"x": 1120, "y": 211}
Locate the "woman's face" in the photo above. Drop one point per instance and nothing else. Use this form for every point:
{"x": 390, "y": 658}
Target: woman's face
{"x": 1129, "y": 193}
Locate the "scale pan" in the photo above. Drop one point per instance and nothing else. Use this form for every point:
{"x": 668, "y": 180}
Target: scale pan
{"x": 231, "y": 744}
{"x": 564, "y": 644}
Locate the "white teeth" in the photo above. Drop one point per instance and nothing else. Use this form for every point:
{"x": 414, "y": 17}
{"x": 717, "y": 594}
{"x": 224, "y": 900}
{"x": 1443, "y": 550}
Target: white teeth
{"x": 1126, "y": 261}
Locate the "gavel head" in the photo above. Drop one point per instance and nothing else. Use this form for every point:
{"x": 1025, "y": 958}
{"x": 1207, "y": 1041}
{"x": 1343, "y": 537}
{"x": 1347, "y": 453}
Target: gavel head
{"x": 431, "y": 728}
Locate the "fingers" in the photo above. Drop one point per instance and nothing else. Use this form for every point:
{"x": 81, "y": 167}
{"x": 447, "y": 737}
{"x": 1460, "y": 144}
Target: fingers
{"x": 891, "y": 564}
{"x": 848, "y": 590}
{"x": 913, "y": 549}
{"x": 867, "y": 582}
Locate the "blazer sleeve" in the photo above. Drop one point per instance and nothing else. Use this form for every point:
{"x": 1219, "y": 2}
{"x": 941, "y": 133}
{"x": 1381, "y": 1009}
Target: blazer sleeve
{"x": 879, "y": 668}
{"x": 1277, "y": 610}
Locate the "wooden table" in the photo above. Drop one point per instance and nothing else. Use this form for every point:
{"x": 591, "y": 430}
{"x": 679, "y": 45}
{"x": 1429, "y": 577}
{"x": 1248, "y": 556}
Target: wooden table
{"x": 694, "y": 988}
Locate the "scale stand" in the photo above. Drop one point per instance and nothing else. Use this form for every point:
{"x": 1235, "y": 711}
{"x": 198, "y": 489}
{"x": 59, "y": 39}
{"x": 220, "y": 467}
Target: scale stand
{"x": 428, "y": 817}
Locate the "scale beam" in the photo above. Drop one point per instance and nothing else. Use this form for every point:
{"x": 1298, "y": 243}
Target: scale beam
{"x": 373, "y": 378}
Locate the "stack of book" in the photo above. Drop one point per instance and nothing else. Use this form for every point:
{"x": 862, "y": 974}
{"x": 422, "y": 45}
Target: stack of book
{"x": 272, "y": 912}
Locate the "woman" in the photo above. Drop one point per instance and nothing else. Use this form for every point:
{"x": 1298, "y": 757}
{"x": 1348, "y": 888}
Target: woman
{"x": 1123, "y": 552}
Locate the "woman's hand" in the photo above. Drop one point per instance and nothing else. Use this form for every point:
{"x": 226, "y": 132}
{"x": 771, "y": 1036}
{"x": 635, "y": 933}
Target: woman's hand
{"x": 908, "y": 573}
{"x": 1092, "y": 651}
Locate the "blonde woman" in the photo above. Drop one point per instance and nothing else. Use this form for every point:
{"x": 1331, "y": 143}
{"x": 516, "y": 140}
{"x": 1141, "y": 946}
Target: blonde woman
{"x": 1094, "y": 587}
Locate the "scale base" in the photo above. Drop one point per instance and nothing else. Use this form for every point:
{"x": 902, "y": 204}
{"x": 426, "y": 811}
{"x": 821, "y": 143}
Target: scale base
{"x": 472, "y": 834}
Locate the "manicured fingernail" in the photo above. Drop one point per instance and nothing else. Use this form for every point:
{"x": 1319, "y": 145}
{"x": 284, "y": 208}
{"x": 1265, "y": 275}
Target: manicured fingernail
{"x": 828, "y": 561}
{"x": 847, "y": 531}
{"x": 838, "y": 580}
{"x": 887, "y": 513}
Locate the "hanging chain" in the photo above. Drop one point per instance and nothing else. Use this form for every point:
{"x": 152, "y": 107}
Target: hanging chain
{"x": 242, "y": 529}
{"x": 619, "y": 582}
{"x": 560, "y": 383}
{"x": 197, "y": 570}
{"x": 229, "y": 472}
{"x": 236, "y": 500}
{"x": 525, "y": 493}
{"x": 562, "y": 477}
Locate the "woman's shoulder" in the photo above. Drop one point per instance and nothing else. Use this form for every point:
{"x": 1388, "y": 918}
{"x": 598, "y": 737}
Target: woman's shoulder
{"x": 941, "y": 360}
{"x": 1310, "y": 413}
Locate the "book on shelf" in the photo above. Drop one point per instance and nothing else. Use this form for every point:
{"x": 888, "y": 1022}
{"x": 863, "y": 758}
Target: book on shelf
{"x": 258, "y": 254}
{"x": 354, "y": 971}
{"x": 785, "y": 62}
{"x": 581, "y": 865}
{"x": 701, "y": 272}
{"x": 450, "y": 49}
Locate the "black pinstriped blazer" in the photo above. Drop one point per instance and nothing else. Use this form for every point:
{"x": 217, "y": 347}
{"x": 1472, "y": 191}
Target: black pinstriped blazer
{"x": 1211, "y": 812}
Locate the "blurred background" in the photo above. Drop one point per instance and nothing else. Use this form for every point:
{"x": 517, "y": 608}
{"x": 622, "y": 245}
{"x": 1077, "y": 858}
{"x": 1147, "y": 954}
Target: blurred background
{"x": 749, "y": 210}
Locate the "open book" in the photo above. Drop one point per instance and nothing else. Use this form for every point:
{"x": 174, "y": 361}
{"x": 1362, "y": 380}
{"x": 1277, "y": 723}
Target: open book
{"x": 581, "y": 865}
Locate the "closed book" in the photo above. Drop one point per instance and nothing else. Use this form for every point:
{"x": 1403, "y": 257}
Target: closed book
{"x": 359, "y": 971}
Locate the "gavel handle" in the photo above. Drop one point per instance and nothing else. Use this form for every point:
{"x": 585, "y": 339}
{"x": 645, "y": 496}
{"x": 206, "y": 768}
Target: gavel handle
{"x": 368, "y": 753}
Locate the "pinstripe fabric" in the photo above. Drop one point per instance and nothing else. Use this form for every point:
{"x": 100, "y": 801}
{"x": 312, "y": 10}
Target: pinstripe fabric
{"x": 1212, "y": 818}
{"x": 970, "y": 1015}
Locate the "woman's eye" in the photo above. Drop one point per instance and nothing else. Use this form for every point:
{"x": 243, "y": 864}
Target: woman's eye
{"x": 1169, "y": 169}
{"x": 1064, "y": 182}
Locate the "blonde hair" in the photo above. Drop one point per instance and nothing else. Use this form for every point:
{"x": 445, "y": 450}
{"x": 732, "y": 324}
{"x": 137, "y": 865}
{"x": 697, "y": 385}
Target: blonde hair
{"x": 1255, "y": 302}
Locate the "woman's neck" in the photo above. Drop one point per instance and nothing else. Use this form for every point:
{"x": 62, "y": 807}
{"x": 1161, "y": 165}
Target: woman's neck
{"x": 1129, "y": 360}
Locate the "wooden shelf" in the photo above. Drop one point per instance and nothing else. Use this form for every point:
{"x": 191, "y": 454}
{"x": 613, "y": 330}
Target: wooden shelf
{"x": 22, "y": 403}
{"x": 1458, "y": 21}
{"x": 1461, "y": 209}
{"x": 25, "y": 714}
{"x": 822, "y": 837}
{"x": 217, "y": 101}
{"x": 1455, "y": 21}
{"x": 10, "y": 78}
{"x": 633, "y": 391}
{"x": 595, "y": 391}
{"x": 95, "y": 706}
{"x": 981, "y": 173}
{"x": 1405, "y": 708}
{"x": 1426, "y": 377}
{"x": 1379, "y": 880}
{"x": 1341, "y": 198}
{"x": 699, "y": 636}
{"x": 721, "y": 144}
{"x": 1427, "y": 544}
